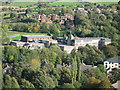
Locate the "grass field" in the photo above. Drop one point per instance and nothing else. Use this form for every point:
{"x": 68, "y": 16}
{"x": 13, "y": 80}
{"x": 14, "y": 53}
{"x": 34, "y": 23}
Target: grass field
{"x": 34, "y": 13}
{"x": 17, "y": 35}
{"x": 23, "y": 4}
{"x": 77, "y": 3}
{"x": 100, "y": 0}
{"x": 108, "y": 3}
{"x": 65, "y": 3}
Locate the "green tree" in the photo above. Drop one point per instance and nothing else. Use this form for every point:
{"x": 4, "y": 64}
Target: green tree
{"x": 74, "y": 70}
{"x": 14, "y": 83}
{"x": 102, "y": 68}
{"x": 5, "y": 39}
{"x": 11, "y": 54}
{"x": 66, "y": 75}
{"x": 7, "y": 82}
{"x": 110, "y": 51}
{"x": 13, "y": 15}
{"x": 104, "y": 83}
{"x": 44, "y": 82}
{"x": 114, "y": 75}
{"x": 93, "y": 82}
{"x": 26, "y": 84}
{"x": 67, "y": 85}
{"x": 28, "y": 73}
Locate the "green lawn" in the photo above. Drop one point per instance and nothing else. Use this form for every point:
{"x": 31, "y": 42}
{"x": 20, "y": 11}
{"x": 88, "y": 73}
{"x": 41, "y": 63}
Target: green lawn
{"x": 65, "y": 3}
{"x": 100, "y": 0}
{"x": 108, "y": 3}
{"x": 34, "y": 13}
{"x": 23, "y": 4}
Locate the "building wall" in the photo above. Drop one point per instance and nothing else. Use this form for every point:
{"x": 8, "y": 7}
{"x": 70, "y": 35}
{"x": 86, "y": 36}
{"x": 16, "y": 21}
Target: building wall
{"x": 30, "y": 39}
{"x": 84, "y": 43}
{"x": 106, "y": 43}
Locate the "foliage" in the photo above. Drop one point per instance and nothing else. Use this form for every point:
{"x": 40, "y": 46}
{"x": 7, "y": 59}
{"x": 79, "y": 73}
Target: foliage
{"x": 91, "y": 55}
{"x": 26, "y": 84}
{"x": 114, "y": 75}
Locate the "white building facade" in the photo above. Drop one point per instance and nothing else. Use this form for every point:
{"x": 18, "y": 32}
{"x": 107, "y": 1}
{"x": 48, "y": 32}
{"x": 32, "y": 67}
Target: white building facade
{"x": 112, "y": 63}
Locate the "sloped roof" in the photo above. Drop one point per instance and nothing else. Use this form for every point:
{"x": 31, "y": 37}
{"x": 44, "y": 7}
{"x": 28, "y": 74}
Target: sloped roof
{"x": 113, "y": 60}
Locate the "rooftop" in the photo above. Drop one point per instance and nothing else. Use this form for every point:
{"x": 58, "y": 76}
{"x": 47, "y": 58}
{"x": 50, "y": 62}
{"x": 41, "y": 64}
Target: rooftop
{"x": 113, "y": 60}
{"x": 86, "y": 67}
{"x": 36, "y": 36}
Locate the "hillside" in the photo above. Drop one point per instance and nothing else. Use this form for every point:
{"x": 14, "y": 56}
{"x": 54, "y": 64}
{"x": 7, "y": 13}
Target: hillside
{"x": 61, "y": 0}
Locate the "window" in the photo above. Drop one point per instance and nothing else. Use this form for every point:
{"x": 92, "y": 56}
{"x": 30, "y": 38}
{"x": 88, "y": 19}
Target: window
{"x": 105, "y": 66}
{"x": 106, "y": 63}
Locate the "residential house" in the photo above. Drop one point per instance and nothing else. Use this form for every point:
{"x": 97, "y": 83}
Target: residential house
{"x": 112, "y": 63}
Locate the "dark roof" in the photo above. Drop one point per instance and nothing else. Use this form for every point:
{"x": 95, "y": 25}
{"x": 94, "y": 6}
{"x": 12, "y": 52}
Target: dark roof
{"x": 36, "y": 36}
{"x": 113, "y": 60}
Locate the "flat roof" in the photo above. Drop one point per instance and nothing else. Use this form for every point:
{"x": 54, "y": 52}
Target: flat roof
{"x": 92, "y": 38}
{"x": 36, "y": 36}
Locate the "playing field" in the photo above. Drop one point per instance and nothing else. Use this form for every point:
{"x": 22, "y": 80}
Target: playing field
{"x": 66, "y": 3}
{"x": 22, "y": 4}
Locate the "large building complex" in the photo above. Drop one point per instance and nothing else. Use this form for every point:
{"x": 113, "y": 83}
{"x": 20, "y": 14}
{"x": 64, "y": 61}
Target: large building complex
{"x": 93, "y": 41}
{"x": 65, "y": 43}
{"x": 72, "y": 42}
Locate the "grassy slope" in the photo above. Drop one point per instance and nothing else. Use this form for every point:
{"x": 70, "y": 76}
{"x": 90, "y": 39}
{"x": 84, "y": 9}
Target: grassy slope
{"x": 65, "y": 3}
{"x": 23, "y": 4}
{"x": 101, "y": 0}
{"x": 75, "y": 2}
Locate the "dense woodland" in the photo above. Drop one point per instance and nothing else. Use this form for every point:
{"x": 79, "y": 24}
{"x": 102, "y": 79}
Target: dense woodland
{"x": 52, "y": 67}
{"x": 38, "y": 68}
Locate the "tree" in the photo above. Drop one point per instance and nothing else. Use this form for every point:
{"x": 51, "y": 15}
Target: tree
{"x": 11, "y": 54}
{"x": 28, "y": 11}
{"x": 67, "y": 85}
{"x": 36, "y": 28}
{"x": 7, "y": 81}
{"x": 28, "y": 73}
{"x": 26, "y": 84}
{"x": 5, "y": 39}
{"x": 110, "y": 51}
{"x": 66, "y": 76}
{"x": 91, "y": 55}
{"x": 114, "y": 75}
{"x": 43, "y": 82}
{"x": 78, "y": 69}
{"x": 13, "y": 15}
{"x": 74, "y": 70}
{"x": 84, "y": 80}
{"x": 77, "y": 84}
{"x": 102, "y": 68}
{"x": 29, "y": 20}
{"x": 93, "y": 82}
{"x": 104, "y": 84}
{"x": 17, "y": 70}
{"x": 14, "y": 83}
{"x": 21, "y": 27}
{"x": 95, "y": 73}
